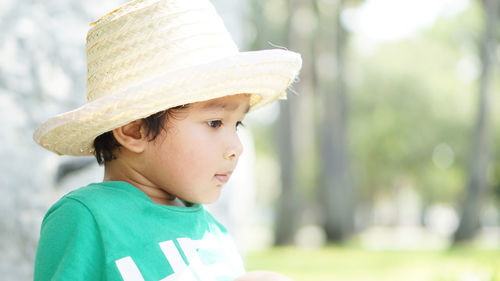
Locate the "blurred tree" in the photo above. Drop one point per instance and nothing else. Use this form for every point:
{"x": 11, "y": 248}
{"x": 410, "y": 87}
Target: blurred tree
{"x": 272, "y": 22}
{"x": 411, "y": 113}
{"x": 292, "y": 24}
{"x": 404, "y": 119}
{"x": 481, "y": 137}
{"x": 336, "y": 187}
{"x": 286, "y": 222}
{"x": 291, "y": 134}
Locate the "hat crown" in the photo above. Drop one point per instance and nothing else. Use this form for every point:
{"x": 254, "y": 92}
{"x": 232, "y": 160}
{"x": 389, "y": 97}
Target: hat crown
{"x": 145, "y": 38}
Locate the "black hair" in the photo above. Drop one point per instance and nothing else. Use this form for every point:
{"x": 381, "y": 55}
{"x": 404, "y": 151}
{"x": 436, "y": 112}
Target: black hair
{"x": 106, "y": 144}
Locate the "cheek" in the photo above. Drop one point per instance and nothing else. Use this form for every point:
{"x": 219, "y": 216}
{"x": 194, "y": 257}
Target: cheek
{"x": 191, "y": 156}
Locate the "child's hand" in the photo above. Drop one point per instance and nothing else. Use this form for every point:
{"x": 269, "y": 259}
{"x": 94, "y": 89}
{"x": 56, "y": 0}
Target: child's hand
{"x": 262, "y": 276}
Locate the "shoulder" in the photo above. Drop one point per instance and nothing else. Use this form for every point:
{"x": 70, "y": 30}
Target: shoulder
{"x": 104, "y": 195}
{"x": 91, "y": 192}
{"x": 85, "y": 201}
{"x": 70, "y": 244}
{"x": 67, "y": 210}
{"x": 77, "y": 200}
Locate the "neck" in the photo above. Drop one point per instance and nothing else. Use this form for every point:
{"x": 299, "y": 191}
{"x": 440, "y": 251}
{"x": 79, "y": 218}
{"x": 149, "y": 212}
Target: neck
{"x": 117, "y": 170}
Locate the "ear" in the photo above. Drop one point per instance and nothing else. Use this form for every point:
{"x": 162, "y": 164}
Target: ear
{"x": 131, "y": 136}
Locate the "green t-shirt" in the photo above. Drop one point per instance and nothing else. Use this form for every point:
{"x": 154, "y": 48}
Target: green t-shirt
{"x": 113, "y": 231}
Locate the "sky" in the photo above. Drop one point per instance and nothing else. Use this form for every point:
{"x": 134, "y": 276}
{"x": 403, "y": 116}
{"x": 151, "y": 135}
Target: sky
{"x": 391, "y": 20}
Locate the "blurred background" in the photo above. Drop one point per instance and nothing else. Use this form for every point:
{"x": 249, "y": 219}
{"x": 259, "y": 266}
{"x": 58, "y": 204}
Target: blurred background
{"x": 384, "y": 163}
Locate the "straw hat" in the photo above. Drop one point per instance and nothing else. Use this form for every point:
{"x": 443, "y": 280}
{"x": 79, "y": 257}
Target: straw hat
{"x": 151, "y": 55}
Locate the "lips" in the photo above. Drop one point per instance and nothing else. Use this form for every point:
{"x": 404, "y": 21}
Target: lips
{"x": 223, "y": 178}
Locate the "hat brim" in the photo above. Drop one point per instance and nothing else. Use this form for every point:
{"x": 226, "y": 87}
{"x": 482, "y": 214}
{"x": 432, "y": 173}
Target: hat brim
{"x": 264, "y": 74}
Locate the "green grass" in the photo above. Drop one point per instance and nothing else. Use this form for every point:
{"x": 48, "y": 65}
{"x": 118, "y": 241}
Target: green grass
{"x": 354, "y": 264}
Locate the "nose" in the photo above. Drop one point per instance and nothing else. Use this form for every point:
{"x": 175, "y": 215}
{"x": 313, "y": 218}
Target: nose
{"x": 234, "y": 148}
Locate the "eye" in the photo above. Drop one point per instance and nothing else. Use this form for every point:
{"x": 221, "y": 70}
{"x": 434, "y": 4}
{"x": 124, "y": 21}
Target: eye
{"x": 239, "y": 124}
{"x": 215, "y": 123}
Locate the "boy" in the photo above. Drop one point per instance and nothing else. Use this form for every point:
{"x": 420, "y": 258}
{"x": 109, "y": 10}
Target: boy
{"x": 166, "y": 90}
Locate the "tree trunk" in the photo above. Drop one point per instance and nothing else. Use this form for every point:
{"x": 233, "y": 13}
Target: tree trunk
{"x": 476, "y": 185}
{"x": 336, "y": 187}
{"x": 286, "y": 221}
{"x": 287, "y": 203}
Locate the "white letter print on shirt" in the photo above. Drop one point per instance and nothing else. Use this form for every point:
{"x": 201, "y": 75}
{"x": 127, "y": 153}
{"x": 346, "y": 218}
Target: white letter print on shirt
{"x": 196, "y": 271}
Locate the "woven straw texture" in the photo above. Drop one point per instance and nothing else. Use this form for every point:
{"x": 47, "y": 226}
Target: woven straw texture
{"x": 151, "y": 55}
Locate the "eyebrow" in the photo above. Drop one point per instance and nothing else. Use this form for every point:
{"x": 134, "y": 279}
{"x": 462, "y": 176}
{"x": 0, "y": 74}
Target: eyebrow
{"x": 223, "y": 105}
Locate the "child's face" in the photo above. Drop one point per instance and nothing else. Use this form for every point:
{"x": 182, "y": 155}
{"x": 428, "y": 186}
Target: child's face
{"x": 198, "y": 151}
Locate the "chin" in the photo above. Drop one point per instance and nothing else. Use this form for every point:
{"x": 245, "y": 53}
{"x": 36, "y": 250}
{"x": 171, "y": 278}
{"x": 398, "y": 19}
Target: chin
{"x": 210, "y": 198}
